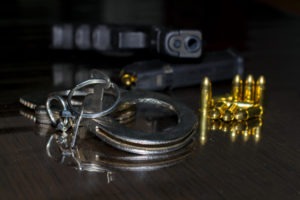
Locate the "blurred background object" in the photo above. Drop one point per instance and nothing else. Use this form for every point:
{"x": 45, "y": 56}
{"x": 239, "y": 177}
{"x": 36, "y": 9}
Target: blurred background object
{"x": 25, "y": 34}
{"x": 25, "y": 25}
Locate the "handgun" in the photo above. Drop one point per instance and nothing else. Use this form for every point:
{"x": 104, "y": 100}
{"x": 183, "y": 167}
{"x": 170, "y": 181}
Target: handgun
{"x": 124, "y": 40}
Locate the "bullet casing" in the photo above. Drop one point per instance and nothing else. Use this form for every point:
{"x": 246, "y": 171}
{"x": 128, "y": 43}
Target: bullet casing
{"x": 218, "y": 110}
{"x": 230, "y": 112}
{"x": 237, "y": 88}
{"x": 251, "y": 112}
{"x": 227, "y": 98}
{"x": 249, "y": 89}
{"x": 259, "y": 90}
{"x": 128, "y": 79}
{"x": 237, "y": 113}
{"x": 206, "y": 97}
{"x": 222, "y": 106}
{"x": 243, "y": 105}
{"x": 206, "y": 94}
{"x": 214, "y": 113}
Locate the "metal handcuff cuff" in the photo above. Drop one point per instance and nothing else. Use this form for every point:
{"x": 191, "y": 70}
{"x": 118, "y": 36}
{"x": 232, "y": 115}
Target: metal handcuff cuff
{"x": 118, "y": 135}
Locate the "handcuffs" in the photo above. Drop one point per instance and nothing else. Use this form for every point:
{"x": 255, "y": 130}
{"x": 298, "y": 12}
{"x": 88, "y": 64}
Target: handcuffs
{"x": 86, "y": 106}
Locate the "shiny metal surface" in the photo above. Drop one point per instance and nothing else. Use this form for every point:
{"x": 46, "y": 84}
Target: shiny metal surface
{"x": 42, "y": 116}
{"x": 35, "y": 99}
{"x": 49, "y": 111}
{"x": 94, "y": 82}
{"x": 205, "y": 104}
{"x": 93, "y": 155}
{"x": 236, "y": 106}
{"x": 248, "y": 113}
{"x": 124, "y": 113}
{"x": 260, "y": 87}
{"x": 136, "y": 141}
{"x": 69, "y": 116}
{"x": 112, "y": 129}
{"x": 237, "y": 88}
{"x": 249, "y": 89}
{"x": 229, "y": 112}
{"x": 235, "y": 115}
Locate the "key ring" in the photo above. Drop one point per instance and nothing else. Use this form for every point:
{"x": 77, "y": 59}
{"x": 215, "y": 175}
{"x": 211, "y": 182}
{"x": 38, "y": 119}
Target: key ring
{"x": 64, "y": 124}
{"x": 70, "y": 114}
{"x": 68, "y": 106}
{"x": 93, "y": 82}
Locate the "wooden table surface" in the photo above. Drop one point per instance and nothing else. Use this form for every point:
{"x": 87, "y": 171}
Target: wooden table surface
{"x": 218, "y": 169}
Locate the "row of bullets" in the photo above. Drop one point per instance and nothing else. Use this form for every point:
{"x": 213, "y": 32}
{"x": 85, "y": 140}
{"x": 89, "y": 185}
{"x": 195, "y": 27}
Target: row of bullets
{"x": 244, "y": 103}
{"x": 238, "y": 113}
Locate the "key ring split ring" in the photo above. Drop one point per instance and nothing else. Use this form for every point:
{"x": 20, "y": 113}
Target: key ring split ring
{"x": 49, "y": 111}
{"x": 68, "y": 108}
{"x": 93, "y": 82}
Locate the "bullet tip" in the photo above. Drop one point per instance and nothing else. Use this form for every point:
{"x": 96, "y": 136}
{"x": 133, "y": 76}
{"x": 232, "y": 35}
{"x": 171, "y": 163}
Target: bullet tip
{"x": 237, "y": 79}
{"x": 261, "y": 80}
{"x": 206, "y": 81}
{"x": 249, "y": 79}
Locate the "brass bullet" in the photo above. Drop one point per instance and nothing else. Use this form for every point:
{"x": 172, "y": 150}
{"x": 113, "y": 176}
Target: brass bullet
{"x": 244, "y": 105}
{"x": 228, "y": 116}
{"x": 240, "y": 114}
{"x": 237, "y": 88}
{"x": 128, "y": 79}
{"x": 259, "y": 90}
{"x": 225, "y": 98}
{"x": 205, "y": 103}
{"x": 251, "y": 112}
{"x": 249, "y": 89}
{"x": 217, "y": 101}
{"x": 203, "y": 126}
{"x": 206, "y": 94}
{"x": 230, "y": 112}
{"x": 218, "y": 110}
{"x": 214, "y": 113}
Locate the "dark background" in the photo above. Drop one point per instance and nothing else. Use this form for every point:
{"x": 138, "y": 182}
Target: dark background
{"x": 25, "y": 25}
{"x": 25, "y": 33}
